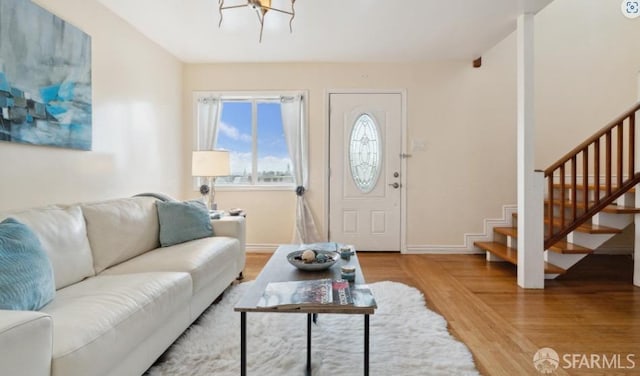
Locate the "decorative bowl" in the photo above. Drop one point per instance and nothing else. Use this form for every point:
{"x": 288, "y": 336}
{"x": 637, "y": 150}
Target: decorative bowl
{"x": 295, "y": 259}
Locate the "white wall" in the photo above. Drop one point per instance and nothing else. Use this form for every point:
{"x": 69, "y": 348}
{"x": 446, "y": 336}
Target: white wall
{"x": 466, "y": 116}
{"x": 137, "y": 130}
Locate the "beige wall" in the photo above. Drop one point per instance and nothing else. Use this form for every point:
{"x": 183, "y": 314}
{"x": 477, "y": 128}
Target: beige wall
{"x": 464, "y": 115}
{"x": 587, "y": 64}
{"x": 137, "y": 112}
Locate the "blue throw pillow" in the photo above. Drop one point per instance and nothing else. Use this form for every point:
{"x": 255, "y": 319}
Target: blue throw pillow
{"x": 183, "y": 221}
{"x": 26, "y": 274}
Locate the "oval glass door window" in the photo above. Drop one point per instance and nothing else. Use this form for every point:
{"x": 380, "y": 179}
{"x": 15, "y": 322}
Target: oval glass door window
{"x": 364, "y": 153}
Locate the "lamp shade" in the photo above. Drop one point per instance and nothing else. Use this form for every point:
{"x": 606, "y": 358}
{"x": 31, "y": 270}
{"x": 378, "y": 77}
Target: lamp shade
{"x": 210, "y": 163}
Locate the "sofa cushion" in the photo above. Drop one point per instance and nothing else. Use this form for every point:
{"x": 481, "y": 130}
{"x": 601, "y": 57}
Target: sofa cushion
{"x": 26, "y": 275}
{"x": 183, "y": 221}
{"x": 63, "y": 235}
{"x": 121, "y": 229}
{"x": 204, "y": 259}
{"x": 26, "y": 338}
{"x": 98, "y": 321}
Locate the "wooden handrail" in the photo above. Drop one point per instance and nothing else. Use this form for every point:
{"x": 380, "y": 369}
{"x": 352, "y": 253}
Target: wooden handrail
{"x": 589, "y": 152}
{"x": 591, "y": 139}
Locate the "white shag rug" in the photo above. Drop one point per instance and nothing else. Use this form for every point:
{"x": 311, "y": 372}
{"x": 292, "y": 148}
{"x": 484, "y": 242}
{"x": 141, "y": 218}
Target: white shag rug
{"x": 405, "y": 339}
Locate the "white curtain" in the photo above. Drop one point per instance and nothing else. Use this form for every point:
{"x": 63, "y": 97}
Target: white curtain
{"x": 292, "y": 117}
{"x": 207, "y": 119}
{"x": 207, "y": 115}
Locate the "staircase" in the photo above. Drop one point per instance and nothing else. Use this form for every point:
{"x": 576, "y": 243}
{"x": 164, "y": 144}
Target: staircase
{"x": 589, "y": 198}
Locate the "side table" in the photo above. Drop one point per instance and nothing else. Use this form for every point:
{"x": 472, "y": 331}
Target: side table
{"x": 233, "y": 226}
{"x": 219, "y": 214}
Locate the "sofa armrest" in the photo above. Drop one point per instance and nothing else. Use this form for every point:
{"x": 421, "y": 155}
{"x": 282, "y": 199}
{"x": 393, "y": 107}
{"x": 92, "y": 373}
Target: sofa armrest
{"x": 232, "y": 226}
{"x": 26, "y": 340}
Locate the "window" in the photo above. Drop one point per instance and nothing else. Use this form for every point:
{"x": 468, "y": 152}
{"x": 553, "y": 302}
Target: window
{"x": 250, "y": 127}
{"x": 364, "y": 153}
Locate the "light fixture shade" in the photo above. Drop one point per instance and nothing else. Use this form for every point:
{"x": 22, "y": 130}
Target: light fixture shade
{"x": 261, "y": 7}
{"x": 210, "y": 163}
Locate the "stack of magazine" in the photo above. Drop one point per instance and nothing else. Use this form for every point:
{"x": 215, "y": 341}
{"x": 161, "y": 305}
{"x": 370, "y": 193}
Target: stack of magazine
{"x": 315, "y": 293}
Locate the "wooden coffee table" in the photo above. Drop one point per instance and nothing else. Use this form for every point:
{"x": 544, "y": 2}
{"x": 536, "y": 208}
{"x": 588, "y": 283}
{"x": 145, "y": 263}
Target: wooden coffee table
{"x": 278, "y": 269}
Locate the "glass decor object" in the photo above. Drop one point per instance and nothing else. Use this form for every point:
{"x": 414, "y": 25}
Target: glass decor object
{"x": 364, "y": 153}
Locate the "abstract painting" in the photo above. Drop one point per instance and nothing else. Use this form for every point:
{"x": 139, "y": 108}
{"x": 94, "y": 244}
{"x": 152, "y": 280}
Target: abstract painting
{"x": 45, "y": 78}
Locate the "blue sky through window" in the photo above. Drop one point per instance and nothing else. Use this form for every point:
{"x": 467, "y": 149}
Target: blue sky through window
{"x": 235, "y": 135}
{"x": 234, "y": 130}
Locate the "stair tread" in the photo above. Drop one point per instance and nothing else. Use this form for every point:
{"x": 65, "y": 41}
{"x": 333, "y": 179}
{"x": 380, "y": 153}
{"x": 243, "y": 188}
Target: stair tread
{"x": 619, "y": 209}
{"x": 511, "y": 255}
{"x": 589, "y": 228}
{"x": 507, "y": 231}
{"x": 612, "y": 209}
{"x": 559, "y": 247}
{"x": 500, "y": 250}
{"x": 591, "y": 187}
{"x": 585, "y": 227}
{"x": 597, "y": 229}
{"x": 566, "y": 247}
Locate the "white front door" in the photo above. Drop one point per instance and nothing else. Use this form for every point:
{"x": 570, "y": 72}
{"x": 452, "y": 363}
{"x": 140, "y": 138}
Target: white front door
{"x": 365, "y": 135}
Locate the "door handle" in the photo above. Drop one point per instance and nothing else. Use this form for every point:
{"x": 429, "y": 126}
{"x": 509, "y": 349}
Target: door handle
{"x": 395, "y": 185}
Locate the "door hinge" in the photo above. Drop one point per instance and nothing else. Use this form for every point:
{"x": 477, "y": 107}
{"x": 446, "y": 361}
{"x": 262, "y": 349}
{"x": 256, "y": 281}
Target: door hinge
{"x": 404, "y": 155}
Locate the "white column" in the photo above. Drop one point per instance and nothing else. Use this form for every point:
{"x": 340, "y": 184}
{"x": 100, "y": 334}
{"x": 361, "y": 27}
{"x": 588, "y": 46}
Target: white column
{"x": 530, "y": 188}
{"x": 636, "y": 242}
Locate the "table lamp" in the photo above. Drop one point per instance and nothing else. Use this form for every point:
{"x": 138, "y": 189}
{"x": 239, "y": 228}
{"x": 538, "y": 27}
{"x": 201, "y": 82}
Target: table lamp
{"x": 210, "y": 164}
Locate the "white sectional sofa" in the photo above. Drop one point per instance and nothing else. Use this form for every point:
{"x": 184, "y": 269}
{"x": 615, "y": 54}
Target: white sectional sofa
{"x": 120, "y": 300}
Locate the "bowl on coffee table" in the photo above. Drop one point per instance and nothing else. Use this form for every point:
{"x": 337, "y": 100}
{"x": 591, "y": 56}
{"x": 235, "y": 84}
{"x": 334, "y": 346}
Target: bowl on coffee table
{"x": 321, "y": 259}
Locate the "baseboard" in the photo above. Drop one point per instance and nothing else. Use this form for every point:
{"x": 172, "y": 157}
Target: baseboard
{"x": 469, "y": 238}
{"x": 261, "y": 248}
{"x": 441, "y": 250}
{"x": 466, "y": 248}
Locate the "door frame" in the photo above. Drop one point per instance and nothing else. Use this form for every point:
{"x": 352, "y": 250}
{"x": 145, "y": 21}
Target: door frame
{"x": 403, "y": 161}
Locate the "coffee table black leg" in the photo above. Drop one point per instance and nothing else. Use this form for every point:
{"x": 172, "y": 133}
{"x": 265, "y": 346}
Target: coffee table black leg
{"x": 366, "y": 345}
{"x": 243, "y": 343}
{"x": 309, "y": 319}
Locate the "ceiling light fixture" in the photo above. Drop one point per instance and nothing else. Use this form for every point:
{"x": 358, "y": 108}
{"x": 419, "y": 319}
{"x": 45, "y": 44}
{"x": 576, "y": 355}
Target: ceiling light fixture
{"x": 261, "y": 7}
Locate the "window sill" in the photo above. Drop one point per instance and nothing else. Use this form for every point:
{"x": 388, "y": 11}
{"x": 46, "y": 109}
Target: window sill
{"x": 248, "y": 188}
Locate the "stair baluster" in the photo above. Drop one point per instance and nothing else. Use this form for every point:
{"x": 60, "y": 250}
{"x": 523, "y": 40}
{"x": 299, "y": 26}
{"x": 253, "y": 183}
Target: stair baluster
{"x": 567, "y": 212}
{"x": 558, "y": 228}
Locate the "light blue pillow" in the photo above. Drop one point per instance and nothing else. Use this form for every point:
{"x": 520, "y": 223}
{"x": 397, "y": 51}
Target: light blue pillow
{"x": 183, "y": 221}
{"x": 26, "y": 274}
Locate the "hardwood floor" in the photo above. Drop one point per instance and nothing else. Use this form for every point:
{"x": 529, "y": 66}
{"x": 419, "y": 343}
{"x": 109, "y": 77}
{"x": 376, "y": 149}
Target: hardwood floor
{"x": 592, "y": 310}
